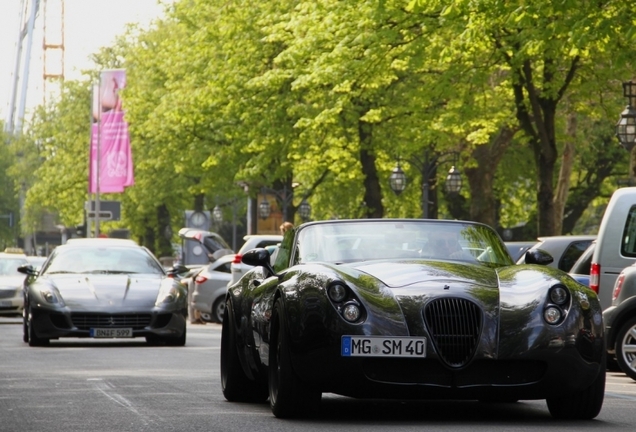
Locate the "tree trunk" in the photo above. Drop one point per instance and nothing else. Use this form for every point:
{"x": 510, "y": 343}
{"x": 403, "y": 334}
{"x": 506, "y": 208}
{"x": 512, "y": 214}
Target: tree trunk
{"x": 563, "y": 184}
{"x": 372, "y": 190}
{"x": 482, "y": 176}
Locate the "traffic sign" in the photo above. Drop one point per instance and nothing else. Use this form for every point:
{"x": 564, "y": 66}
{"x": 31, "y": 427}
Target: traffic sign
{"x": 103, "y": 215}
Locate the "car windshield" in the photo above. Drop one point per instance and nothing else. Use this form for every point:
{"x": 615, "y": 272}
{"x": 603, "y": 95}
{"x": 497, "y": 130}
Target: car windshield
{"x": 111, "y": 260}
{"x": 9, "y": 266}
{"x": 350, "y": 241}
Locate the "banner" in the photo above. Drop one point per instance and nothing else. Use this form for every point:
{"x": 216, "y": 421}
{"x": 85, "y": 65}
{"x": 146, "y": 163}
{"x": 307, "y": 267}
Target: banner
{"x": 111, "y": 165}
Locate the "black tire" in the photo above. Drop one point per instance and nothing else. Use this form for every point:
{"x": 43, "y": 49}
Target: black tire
{"x": 626, "y": 348}
{"x": 177, "y": 341}
{"x": 218, "y": 310}
{"x": 583, "y": 405}
{"x": 34, "y": 340}
{"x": 288, "y": 395}
{"x": 235, "y": 384}
{"x": 25, "y": 325}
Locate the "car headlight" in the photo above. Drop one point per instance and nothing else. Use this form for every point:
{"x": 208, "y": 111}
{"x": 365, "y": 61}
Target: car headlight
{"x": 559, "y": 295}
{"x": 168, "y": 294}
{"x": 337, "y": 293}
{"x": 52, "y": 297}
{"x": 557, "y": 304}
{"x": 351, "y": 312}
{"x": 552, "y": 315}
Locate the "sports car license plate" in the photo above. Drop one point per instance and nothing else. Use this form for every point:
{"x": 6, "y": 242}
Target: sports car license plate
{"x": 111, "y": 333}
{"x": 381, "y": 346}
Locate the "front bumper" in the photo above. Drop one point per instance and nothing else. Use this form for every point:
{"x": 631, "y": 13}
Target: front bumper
{"x": 60, "y": 323}
{"x": 11, "y": 301}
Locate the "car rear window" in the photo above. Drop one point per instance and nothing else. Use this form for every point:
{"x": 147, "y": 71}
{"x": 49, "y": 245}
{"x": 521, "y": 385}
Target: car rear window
{"x": 572, "y": 253}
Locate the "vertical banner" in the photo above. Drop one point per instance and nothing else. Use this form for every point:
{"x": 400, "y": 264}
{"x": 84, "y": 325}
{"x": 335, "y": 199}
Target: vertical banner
{"x": 111, "y": 165}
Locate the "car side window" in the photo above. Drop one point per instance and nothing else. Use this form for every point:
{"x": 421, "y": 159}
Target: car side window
{"x": 628, "y": 242}
{"x": 225, "y": 268}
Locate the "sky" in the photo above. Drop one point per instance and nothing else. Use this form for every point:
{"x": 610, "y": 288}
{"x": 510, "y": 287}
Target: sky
{"x": 88, "y": 26}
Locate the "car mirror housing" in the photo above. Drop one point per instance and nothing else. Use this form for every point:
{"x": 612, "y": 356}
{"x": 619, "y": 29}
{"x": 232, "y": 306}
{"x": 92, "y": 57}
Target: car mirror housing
{"x": 258, "y": 257}
{"x": 538, "y": 256}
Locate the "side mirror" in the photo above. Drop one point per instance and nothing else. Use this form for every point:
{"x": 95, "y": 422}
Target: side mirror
{"x": 28, "y": 269}
{"x": 177, "y": 270}
{"x": 538, "y": 256}
{"x": 258, "y": 257}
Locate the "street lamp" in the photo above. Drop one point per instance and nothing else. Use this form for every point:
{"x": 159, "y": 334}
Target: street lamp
{"x": 264, "y": 209}
{"x": 427, "y": 167}
{"x": 304, "y": 210}
{"x": 397, "y": 180}
{"x": 453, "y": 181}
{"x": 626, "y": 126}
{"x": 217, "y": 214}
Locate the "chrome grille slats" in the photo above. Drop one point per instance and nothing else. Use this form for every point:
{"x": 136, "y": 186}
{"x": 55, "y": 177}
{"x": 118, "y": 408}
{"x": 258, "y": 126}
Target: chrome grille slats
{"x": 454, "y": 325}
{"x": 85, "y": 321}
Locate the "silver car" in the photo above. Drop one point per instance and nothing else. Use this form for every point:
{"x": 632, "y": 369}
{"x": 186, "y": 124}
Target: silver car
{"x": 11, "y": 297}
{"x": 209, "y": 287}
{"x": 103, "y": 288}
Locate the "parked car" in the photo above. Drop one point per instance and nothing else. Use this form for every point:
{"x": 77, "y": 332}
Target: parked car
{"x": 11, "y": 298}
{"x": 212, "y": 243}
{"x": 103, "y": 288}
{"x": 252, "y": 241}
{"x": 616, "y": 243}
{"x": 375, "y": 308}
{"x": 620, "y": 322}
{"x": 209, "y": 287}
{"x": 565, "y": 249}
{"x": 580, "y": 271}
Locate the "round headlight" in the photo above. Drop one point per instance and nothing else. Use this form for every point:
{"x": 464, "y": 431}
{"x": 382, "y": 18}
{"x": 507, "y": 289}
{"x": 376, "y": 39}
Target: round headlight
{"x": 337, "y": 293}
{"x": 552, "y": 315}
{"x": 351, "y": 312}
{"x": 558, "y": 295}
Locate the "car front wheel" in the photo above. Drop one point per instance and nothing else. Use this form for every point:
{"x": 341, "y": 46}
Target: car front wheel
{"x": 34, "y": 340}
{"x": 583, "y": 405}
{"x": 626, "y": 348}
{"x": 236, "y": 385}
{"x": 288, "y": 396}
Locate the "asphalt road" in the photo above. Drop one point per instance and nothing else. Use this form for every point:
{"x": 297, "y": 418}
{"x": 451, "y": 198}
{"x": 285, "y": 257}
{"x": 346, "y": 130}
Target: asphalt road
{"x": 89, "y": 385}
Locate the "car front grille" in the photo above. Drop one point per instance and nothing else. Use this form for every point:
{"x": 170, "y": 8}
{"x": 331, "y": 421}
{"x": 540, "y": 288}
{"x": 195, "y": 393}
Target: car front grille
{"x": 86, "y": 321}
{"x": 455, "y": 326}
{"x": 8, "y": 292}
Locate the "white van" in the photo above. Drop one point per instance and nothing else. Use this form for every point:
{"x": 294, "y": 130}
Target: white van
{"x": 615, "y": 244}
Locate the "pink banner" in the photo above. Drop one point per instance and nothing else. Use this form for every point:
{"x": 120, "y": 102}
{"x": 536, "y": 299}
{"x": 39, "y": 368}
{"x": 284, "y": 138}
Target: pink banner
{"x": 110, "y": 141}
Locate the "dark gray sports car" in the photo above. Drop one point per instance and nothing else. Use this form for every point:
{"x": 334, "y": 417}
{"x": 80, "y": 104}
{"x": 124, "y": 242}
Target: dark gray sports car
{"x": 103, "y": 288}
{"x": 409, "y": 309}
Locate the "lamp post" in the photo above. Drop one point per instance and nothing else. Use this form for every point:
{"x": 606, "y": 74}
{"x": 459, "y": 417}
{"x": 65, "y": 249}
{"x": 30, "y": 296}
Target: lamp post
{"x": 428, "y": 168}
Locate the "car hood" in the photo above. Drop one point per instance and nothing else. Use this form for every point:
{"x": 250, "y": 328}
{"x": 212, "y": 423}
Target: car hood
{"x": 401, "y": 274}
{"x": 103, "y": 290}
{"x": 11, "y": 281}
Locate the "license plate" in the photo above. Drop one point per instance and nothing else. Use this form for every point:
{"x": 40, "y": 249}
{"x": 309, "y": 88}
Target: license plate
{"x": 111, "y": 333}
{"x": 381, "y": 346}
{"x": 6, "y": 303}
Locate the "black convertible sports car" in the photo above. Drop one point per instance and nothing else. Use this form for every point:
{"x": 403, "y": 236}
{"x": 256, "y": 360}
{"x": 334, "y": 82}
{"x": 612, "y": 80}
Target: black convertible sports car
{"x": 103, "y": 288}
{"x": 409, "y": 309}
